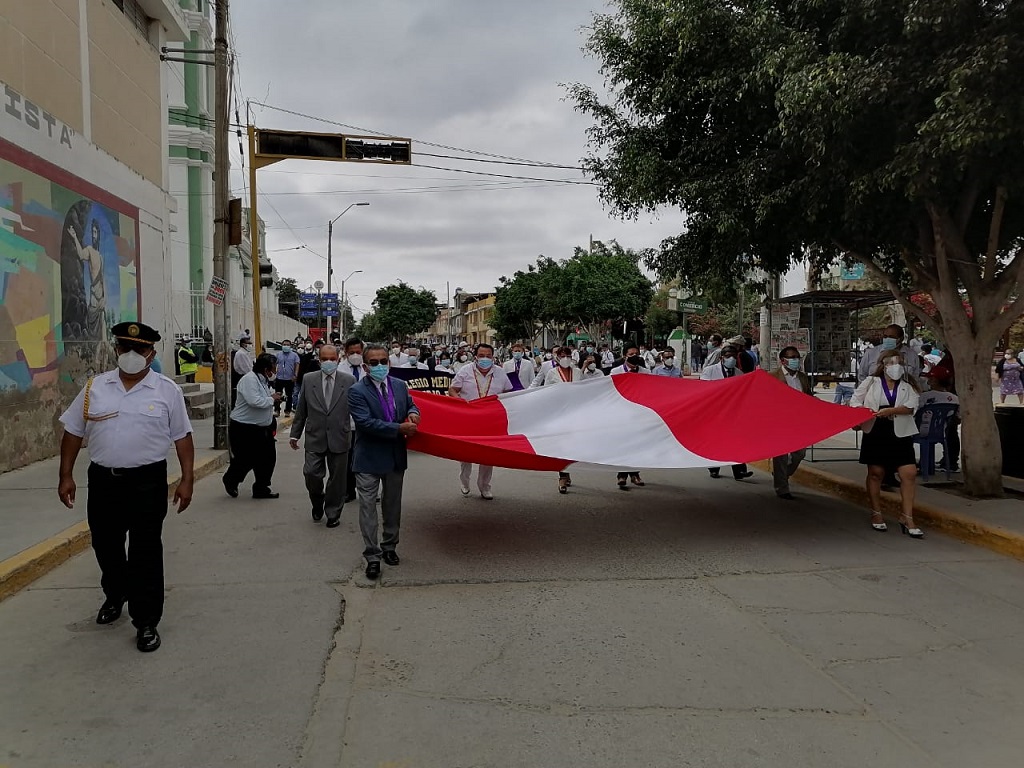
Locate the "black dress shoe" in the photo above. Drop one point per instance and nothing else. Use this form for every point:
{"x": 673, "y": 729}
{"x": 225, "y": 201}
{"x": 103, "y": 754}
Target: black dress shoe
{"x": 110, "y": 611}
{"x": 391, "y": 558}
{"x": 147, "y": 640}
{"x": 373, "y": 570}
{"x": 334, "y": 523}
{"x": 715, "y": 473}
{"x": 744, "y": 475}
{"x": 231, "y": 489}
{"x": 787, "y": 496}
{"x": 268, "y": 494}
{"x": 318, "y": 513}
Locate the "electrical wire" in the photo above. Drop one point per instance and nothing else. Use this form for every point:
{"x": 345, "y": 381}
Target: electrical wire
{"x": 517, "y": 160}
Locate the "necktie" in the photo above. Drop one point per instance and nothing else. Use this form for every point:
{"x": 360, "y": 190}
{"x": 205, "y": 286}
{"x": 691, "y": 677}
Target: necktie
{"x": 329, "y": 389}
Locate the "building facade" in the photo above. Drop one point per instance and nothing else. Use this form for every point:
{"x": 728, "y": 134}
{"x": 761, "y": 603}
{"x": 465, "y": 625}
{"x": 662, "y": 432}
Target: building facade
{"x": 477, "y": 317}
{"x": 84, "y": 205}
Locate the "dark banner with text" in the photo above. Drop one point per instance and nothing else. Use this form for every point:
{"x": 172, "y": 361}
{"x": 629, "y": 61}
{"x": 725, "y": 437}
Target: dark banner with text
{"x": 420, "y": 380}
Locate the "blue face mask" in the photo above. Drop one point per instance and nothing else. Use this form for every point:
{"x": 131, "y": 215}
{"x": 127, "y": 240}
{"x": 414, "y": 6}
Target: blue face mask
{"x": 793, "y": 363}
{"x": 889, "y": 343}
{"x": 329, "y": 366}
{"x": 378, "y": 372}
{"x": 517, "y": 355}
{"x": 590, "y": 349}
{"x": 484, "y": 363}
{"x": 286, "y": 349}
{"x": 729, "y": 362}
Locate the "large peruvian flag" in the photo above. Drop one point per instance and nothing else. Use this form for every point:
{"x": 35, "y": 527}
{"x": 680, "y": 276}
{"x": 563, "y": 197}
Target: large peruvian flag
{"x": 630, "y": 422}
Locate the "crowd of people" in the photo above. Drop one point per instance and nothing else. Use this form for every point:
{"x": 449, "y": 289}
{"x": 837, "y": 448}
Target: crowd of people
{"x": 352, "y": 420}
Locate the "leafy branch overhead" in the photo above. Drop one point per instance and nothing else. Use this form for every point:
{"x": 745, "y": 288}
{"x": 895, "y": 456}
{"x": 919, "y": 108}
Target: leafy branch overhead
{"x": 887, "y": 132}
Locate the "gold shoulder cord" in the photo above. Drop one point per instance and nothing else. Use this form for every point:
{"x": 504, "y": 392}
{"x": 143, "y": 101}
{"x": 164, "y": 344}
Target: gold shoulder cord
{"x": 85, "y": 403}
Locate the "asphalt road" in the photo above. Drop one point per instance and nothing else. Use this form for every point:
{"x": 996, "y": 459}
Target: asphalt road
{"x": 694, "y": 622}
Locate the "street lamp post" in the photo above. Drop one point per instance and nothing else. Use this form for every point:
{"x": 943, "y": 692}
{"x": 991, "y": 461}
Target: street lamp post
{"x": 330, "y": 235}
{"x": 342, "y": 304}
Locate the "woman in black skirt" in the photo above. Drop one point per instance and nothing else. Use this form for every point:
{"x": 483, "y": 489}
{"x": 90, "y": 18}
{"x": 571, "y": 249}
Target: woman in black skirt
{"x": 889, "y": 436}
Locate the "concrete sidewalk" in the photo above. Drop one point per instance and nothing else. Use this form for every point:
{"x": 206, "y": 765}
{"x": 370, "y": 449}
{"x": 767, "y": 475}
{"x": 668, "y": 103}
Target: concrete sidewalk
{"x": 998, "y": 524}
{"x": 38, "y": 533}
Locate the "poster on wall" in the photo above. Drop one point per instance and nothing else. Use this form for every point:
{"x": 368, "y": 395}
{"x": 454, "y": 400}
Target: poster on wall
{"x": 69, "y": 270}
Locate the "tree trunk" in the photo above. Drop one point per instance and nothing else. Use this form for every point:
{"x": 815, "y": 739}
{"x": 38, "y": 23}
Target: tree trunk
{"x": 981, "y": 454}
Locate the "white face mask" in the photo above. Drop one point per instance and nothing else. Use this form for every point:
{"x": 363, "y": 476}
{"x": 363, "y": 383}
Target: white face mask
{"x": 355, "y": 359}
{"x": 131, "y": 362}
{"x": 669, "y": 362}
{"x": 565, "y": 362}
{"x": 894, "y": 372}
{"x": 591, "y": 367}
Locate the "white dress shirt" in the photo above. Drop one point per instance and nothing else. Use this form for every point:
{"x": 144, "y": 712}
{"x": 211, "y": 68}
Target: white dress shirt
{"x": 243, "y": 361}
{"x": 625, "y": 369}
{"x": 870, "y": 395}
{"x": 473, "y": 384}
{"x": 526, "y": 371}
{"x": 717, "y": 372}
{"x": 151, "y": 416}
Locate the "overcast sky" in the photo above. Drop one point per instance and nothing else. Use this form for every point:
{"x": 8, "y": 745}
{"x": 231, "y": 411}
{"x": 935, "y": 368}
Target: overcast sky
{"x": 473, "y": 74}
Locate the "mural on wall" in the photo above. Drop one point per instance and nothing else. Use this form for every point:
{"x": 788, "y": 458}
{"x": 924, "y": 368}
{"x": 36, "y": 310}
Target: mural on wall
{"x": 68, "y": 272}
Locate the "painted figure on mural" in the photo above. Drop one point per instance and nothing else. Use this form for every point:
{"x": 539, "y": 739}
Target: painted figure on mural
{"x": 92, "y": 258}
{"x": 90, "y": 278}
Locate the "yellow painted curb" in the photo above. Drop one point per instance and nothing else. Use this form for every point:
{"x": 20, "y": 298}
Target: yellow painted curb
{"x": 27, "y": 566}
{"x": 993, "y": 537}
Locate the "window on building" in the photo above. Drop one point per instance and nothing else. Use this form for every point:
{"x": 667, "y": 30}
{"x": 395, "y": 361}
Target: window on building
{"x": 135, "y": 14}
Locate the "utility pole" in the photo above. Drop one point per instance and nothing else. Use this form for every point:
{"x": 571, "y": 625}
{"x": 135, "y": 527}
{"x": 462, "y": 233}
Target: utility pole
{"x": 222, "y": 360}
{"x": 254, "y": 245}
{"x": 330, "y": 270}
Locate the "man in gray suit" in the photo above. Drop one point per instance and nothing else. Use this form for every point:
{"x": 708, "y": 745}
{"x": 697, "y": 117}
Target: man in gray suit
{"x": 322, "y": 413}
{"x": 385, "y": 416}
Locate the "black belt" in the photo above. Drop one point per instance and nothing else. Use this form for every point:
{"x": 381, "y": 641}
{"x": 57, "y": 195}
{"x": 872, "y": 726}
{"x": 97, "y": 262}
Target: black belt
{"x": 147, "y": 469}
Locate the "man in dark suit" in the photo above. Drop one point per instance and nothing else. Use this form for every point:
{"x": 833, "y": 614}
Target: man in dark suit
{"x": 384, "y": 416}
{"x": 323, "y": 414}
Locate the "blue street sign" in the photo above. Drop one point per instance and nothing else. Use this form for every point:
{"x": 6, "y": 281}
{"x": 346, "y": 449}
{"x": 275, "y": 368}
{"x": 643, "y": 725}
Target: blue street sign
{"x": 307, "y": 297}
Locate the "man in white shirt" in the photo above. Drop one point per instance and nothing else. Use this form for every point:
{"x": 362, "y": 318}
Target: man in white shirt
{"x": 519, "y": 369}
{"x": 412, "y": 359}
{"x": 650, "y": 357}
{"x": 241, "y": 364}
{"x": 714, "y": 349}
{"x": 473, "y": 382}
{"x": 397, "y": 358}
{"x": 131, "y": 417}
{"x": 725, "y": 368}
{"x": 607, "y": 357}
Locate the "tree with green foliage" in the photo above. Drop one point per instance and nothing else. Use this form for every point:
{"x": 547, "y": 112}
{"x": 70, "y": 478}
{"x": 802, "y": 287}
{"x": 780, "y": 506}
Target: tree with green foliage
{"x": 884, "y": 132}
{"x": 369, "y": 330}
{"x": 288, "y": 297}
{"x": 659, "y": 320}
{"x": 401, "y": 311}
{"x": 593, "y": 287}
{"x": 520, "y": 302}
{"x": 604, "y": 283}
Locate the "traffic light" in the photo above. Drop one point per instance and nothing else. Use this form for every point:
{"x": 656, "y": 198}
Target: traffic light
{"x": 266, "y": 274}
{"x": 272, "y": 146}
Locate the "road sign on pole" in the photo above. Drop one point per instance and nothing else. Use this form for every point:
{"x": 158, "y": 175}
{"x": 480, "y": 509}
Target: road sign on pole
{"x": 693, "y": 305}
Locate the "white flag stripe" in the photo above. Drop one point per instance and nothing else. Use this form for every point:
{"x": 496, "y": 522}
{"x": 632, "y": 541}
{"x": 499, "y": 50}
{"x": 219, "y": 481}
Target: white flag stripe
{"x": 554, "y": 427}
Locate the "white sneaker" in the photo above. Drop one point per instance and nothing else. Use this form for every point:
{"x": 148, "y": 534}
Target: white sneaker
{"x": 486, "y": 495}
{"x": 465, "y": 490}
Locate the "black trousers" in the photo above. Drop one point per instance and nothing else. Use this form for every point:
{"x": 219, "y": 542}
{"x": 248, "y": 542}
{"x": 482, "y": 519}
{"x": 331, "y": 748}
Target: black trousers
{"x": 738, "y": 470}
{"x": 288, "y": 387}
{"x": 132, "y": 503}
{"x": 252, "y": 449}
